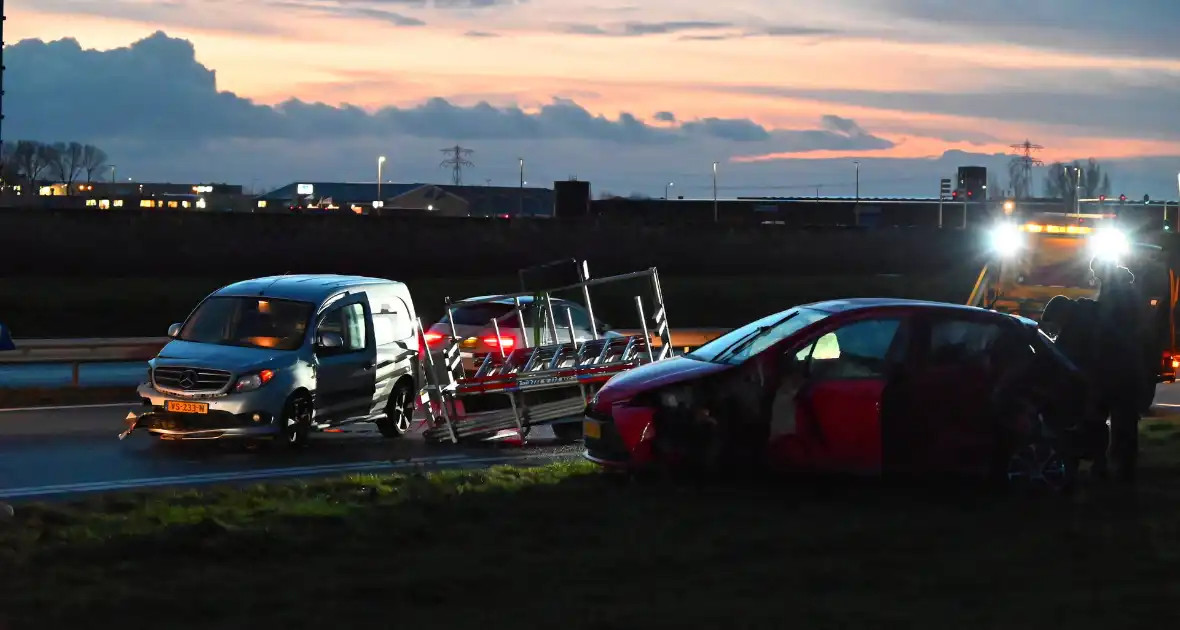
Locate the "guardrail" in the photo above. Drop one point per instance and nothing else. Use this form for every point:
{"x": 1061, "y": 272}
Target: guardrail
{"x": 79, "y": 352}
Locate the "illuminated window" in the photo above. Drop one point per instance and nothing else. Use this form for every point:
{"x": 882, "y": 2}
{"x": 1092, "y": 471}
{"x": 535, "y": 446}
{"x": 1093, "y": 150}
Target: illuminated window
{"x": 91, "y": 202}
{"x": 262, "y": 203}
{"x": 173, "y": 204}
{"x": 118, "y": 203}
{"x": 201, "y": 203}
{"x": 184, "y": 204}
{"x": 105, "y": 204}
{"x": 47, "y": 191}
{"x": 146, "y": 203}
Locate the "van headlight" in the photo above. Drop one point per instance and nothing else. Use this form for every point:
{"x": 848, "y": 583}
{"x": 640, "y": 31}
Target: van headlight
{"x": 251, "y": 382}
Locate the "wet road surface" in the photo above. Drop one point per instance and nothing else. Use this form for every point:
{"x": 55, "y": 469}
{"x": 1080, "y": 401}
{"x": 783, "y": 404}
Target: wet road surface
{"x": 59, "y": 452}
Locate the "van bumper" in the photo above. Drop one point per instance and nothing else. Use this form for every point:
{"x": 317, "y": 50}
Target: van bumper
{"x": 252, "y": 415}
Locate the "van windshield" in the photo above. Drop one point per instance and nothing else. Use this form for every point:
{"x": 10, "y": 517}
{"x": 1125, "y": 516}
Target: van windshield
{"x": 249, "y": 322}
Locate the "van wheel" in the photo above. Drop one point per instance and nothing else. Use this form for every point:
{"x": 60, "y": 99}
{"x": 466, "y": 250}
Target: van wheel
{"x": 567, "y": 432}
{"x": 399, "y": 412}
{"x": 295, "y": 423}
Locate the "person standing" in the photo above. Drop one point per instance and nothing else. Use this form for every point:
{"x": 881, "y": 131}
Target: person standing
{"x": 1122, "y": 365}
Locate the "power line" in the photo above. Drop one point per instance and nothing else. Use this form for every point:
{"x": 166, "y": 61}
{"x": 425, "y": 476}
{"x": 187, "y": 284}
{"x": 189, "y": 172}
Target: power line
{"x": 457, "y": 162}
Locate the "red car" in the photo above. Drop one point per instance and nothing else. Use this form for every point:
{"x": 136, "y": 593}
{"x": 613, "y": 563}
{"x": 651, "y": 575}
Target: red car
{"x": 865, "y": 386}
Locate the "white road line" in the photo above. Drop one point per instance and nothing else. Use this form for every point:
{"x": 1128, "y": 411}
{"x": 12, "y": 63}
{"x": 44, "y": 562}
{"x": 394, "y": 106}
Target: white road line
{"x": 253, "y": 475}
{"x": 1166, "y": 405}
{"x": 70, "y": 407}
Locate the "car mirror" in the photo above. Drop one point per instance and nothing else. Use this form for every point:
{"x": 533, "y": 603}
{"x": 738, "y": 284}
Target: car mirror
{"x": 174, "y": 331}
{"x": 329, "y": 340}
{"x": 603, "y": 327}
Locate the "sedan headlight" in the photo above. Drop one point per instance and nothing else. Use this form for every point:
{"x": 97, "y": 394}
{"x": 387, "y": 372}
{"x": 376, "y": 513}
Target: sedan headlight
{"x": 251, "y": 382}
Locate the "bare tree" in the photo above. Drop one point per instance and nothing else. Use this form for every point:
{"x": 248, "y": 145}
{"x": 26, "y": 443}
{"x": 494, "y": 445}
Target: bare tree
{"x": 1063, "y": 181}
{"x": 1018, "y": 181}
{"x": 94, "y": 160}
{"x": 9, "y": 173}
{"x": 65, "y": 162}
{"x": 30, "y": 159}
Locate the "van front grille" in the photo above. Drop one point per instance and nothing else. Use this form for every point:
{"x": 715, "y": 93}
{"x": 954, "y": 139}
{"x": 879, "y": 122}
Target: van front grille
{"x": 188, "y": 379}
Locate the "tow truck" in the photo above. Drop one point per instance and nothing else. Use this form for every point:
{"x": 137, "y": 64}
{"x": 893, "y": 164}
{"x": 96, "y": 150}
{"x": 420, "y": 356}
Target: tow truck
{"x": 546, "y": 382}
{"x": 1036, "y": 256}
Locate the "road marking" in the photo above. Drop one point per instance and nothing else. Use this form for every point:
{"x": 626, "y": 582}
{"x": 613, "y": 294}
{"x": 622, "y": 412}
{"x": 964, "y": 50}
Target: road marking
{"x": 70, "y": 407}
{"x": 259, "y": 475}
{"x": 1166, "y": 405}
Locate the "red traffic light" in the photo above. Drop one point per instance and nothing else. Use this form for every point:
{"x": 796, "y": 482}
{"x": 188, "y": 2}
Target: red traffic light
{"x": 969, "y": 193}
{"x": 1122, "y": 197}
{"x": 955, "y": 195}
{"x": 1101, "y": 197}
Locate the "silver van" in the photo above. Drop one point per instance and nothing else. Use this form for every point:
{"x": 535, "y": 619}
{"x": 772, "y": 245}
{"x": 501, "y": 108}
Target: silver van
{"x": 283, "y": 356}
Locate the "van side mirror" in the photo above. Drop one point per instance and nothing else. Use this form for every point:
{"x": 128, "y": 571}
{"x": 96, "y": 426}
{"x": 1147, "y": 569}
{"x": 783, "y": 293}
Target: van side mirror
{"x": 174, "y": 330}
{"x": 329, "y": 340}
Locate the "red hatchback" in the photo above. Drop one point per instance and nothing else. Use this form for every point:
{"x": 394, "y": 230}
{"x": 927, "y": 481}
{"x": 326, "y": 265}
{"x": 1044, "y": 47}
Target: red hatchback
{"x": 864, "y": 386}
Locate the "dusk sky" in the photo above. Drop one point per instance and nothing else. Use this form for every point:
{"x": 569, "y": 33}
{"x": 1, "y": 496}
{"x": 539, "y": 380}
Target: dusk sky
{"x": 785, "y": 94}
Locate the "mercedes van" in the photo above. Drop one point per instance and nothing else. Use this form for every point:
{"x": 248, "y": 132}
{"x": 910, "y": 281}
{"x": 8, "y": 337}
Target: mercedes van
{"x": 284, "y": 356}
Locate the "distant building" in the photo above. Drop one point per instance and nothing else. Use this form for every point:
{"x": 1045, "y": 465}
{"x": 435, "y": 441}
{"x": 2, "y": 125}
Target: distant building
{"x": 129, "y": 194}
{"x": 440, "y": 199}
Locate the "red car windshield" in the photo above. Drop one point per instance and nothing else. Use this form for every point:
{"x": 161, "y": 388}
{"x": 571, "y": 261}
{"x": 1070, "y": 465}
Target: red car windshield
{"x": 736, "y": 346}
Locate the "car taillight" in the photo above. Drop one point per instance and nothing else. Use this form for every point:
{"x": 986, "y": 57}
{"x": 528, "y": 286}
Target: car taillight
{"x": 506, "y": 343}
{"x": 433, "y": 338}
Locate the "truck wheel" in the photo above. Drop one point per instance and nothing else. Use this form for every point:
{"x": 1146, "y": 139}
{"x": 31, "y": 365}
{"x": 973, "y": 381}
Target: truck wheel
{"x": 399, "y": 412}
{"x": 568, "y": 432}
{"x": 295, "y": 423}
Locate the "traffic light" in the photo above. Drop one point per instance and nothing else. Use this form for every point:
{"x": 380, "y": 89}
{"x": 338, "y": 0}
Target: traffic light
{"x": 1146, "y": 198}
{"x": 1122, "y": 198}
{"x": 955, "y": 195}
{"x": 1102, "y": 198}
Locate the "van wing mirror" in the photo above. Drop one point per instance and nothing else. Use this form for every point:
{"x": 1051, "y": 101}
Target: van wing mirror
{"x": 329, "y": 340}
{"x": 174, "y": 331}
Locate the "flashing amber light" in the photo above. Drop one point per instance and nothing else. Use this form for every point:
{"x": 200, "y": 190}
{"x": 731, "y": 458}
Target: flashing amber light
{"x": 502, "y": 342}
{"x": 1036, "y": 228}
{"x": 265, "y": 376}
{"x": 1175, "y": 363}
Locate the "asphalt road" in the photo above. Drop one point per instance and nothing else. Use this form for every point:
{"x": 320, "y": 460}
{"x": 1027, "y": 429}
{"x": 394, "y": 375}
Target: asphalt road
{"x": 56, "y": 453}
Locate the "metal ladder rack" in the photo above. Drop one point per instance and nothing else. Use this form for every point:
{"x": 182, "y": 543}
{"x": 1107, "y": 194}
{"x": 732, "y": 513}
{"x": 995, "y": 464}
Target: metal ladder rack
{"x": 578, "y": 367}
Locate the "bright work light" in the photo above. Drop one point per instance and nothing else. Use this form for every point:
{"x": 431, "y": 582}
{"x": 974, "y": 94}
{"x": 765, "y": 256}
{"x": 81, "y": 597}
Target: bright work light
{"x": 1006, "y": 239}
{"x": 1109, "y": 244}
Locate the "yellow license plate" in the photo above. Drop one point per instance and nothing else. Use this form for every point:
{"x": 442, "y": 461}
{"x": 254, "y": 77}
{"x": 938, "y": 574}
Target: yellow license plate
{"x": 180, "y": 406}
{"x": 591, "y": 429}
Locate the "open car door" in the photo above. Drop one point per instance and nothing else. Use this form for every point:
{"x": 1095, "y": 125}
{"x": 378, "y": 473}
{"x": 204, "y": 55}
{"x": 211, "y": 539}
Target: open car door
{"x": 826, "y": 414}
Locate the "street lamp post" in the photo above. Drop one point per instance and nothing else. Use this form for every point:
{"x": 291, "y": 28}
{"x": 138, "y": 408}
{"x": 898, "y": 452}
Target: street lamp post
{"x": 112, "y": 173}
{"x": 714, "y": 192}
{"x": 856, "y": 206}
{"x": 380, "y": 163}
{"x": 666, "y": 189}
{"x": 520, "y": 197}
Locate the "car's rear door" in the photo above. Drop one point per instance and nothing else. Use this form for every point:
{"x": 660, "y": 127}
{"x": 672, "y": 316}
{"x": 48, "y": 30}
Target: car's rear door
{"x": 837, "y": 406}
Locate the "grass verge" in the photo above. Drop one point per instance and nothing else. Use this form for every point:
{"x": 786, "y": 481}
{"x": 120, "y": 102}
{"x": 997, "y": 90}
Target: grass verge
{"x": 53, "y": 396}
{"x": 559, "y": 546}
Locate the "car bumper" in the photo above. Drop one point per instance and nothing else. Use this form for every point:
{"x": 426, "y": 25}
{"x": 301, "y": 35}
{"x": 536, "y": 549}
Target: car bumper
{"x": 251, "y": 415}
{"x": 604, "y": 445}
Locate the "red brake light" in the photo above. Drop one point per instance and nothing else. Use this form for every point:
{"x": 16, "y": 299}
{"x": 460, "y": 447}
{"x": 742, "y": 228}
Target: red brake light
{"x": 503, "y": 342}
{"x": 432, "y": 338}
{"x": 265, "y": 376}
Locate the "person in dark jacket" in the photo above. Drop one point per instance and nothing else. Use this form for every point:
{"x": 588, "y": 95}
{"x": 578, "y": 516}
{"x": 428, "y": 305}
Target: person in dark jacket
{"x": 1122, "y": 365}
{"x": 1075, "y": 329}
